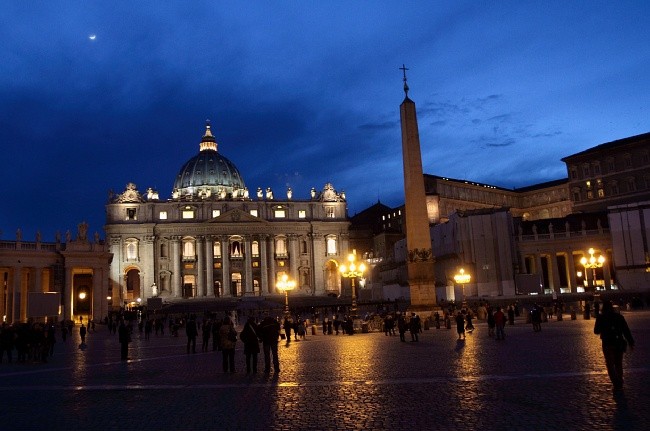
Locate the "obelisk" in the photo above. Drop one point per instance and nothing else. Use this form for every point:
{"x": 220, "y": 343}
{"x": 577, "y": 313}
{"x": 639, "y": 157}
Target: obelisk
{"x": 420, "y": 261}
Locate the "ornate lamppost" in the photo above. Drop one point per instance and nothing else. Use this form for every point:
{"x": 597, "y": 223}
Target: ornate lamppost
{"x": 462, "y": 279}
{"x": 285, "y": 284}
{"x": 592, "y": 263}
{"x": 352, "y": 271}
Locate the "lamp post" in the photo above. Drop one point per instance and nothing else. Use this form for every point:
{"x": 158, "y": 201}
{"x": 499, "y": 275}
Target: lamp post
{"x": 592, "y": 263}
{"x": 462, "y": 279}
{"x": 285, "y": 284}
{"x": 352, "y": 271}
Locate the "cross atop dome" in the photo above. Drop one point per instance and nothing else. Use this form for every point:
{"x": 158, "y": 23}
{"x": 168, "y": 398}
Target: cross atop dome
{"x": 208, "y": 143}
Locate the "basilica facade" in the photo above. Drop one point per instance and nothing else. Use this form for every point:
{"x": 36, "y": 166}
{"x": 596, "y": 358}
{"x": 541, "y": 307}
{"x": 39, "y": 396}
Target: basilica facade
{"x": 214, "y": 239}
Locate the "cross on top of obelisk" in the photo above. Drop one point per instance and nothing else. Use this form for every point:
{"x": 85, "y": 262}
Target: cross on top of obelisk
{"x": 406, "y": 87}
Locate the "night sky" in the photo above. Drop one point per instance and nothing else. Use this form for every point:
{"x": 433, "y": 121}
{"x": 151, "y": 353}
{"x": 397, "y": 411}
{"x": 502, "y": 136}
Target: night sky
{"x": 94, "y": 95}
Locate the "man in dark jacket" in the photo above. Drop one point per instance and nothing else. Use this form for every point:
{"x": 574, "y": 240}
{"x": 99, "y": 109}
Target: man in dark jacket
{"x": 269, "y": 333}
{"x": 615, "y": 335}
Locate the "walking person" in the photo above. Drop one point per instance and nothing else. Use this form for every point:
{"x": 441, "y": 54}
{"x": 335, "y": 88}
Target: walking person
{"x": 206, "y": 331}
{"x": 469, "y": 327}
{"x": 490, "y": 322}
{"x": 228, "y": 340}
{"x": 615, "y": 336}
{"x": 251, "y": 342}
{"x": 192, "y": 331}
{"x": 269, "y": 333}
{"x": 415, "y": 326}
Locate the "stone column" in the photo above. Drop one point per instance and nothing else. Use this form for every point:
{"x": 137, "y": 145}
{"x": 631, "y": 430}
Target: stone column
{"x": 176, "y": 266}
{"x": 209, "y": 266}
{"x": 555, "y": 272}
{"x": 539, "y": 268}
{"x": 293, "y": 258}
{"x": 607, "y": 276}
{"x": 38, "y": 280}
{"x": 200, "y": 257}
{"x": 225, "y": 264}
{"x": 272, "y": 276}
{"x": 319, "y": 260}
{"x": 571, "y": 268}
{"x": 98, "y": 295}
{"x": 264, "y": 282}
{"x": 67, "y": 297}
{"x": 248, "y": 269}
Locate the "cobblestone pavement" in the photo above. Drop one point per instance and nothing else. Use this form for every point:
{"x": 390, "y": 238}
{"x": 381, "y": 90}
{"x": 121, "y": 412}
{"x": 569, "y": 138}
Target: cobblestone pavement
{"x": 551, "y": 380}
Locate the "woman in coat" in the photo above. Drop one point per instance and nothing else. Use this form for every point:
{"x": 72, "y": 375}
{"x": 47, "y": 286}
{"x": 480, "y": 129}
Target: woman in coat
{"x": 251, "y": 344}
{"x": 227, "y": 340}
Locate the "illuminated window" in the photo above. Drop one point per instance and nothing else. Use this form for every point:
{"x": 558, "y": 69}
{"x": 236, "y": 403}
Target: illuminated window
{"x": 216, "y": 250}
{"x": 253, "y": 213}
{"x": 188, "y": 214}
{"x": 329, "y": 212}
{"x": 331, "y": 246}
{"x": 281, "y": 247}
{"x": 590, "y": 194}
{"x": 255, "y": 249}
{"x": 188, "y": 249}
{"x": 588, "y": 183}
{"x": 216, "y": 213}
{"x": 131, "y": 249}
{"x": 235, "y": 249}
{"x": 302, "y": 214}
{"x": 163, "y": 215}
{"x": 256, "y": 264}
{"x": 601, "y": 193}
{"x": 279, "y": 213}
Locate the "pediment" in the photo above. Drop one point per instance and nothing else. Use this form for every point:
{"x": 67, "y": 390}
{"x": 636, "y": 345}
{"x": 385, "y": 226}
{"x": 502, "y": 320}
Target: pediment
{"x": 237, "y": 216}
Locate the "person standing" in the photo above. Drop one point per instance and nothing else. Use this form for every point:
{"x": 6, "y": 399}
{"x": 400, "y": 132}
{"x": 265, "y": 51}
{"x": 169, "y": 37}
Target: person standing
{"x": 460, "y": 325}
{"x": 251, "y": 342}
{"x": 269, "y": 332}
{"x": 227, "y": 340}
{"x": 615, "y": 336}
{"x": 206, "y": 330}
{"x": 192, "y": 331}
{"x": 500, "y": 324}
{"x": 82, "y": 334}
{"x": 401, "y": 327}
{"x": 124, "y": 337}
{"x": 288, "y": 324}
{"x": 490, "y": 321}
{"x": 414, "y": 327}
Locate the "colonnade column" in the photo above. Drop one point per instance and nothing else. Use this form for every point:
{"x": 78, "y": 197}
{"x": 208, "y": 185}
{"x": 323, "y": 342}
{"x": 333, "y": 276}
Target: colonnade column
{"x": 293, "y": 258}
{"x": 11, "y": 293}
{"x": 247, "y": 288}
{"x": 225, "y": 264}
{"x": 571, "y": 268}
{"x": 38, "y": 280}
{"x": 539, "y": 268}
{"x": 200, "y": 257}
{"x": 607, "y": 275}
{"x": 176, "y": 266}
{"x": 209, "y": 266}
{"x": 67, "y": 296}
{"x": 98, "y": 296}
{"x": 555, "y": 271}
{"x": 272, "y": 276}
{"x": 264, "y": 281}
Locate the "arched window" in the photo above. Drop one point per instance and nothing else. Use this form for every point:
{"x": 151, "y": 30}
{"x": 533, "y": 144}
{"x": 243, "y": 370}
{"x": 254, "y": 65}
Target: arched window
{"x": 331, "y": 245}
{"x": 281, "y": 246}
{"x": 235, "y": 249}
{"x": 188, "y": 249}
{"x": 131, "y": 248}
{"x": 163, "y": 250}
{"x": 255, "y": 249}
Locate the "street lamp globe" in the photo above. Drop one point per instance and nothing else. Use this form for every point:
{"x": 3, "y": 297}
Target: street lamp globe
{"x": 352, "y": 270}
{"x": 462, "y": 278}
{"x": 285, "y": 284}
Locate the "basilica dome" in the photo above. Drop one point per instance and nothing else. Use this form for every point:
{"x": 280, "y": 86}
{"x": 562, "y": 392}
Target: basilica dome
{"x": 209, "y": 175}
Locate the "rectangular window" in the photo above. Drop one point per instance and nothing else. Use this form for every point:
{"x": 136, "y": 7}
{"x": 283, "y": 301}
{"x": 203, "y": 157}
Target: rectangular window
{"x": 188, "y": 214}
{"x": 302, "y": 214}
{"x": 611, "y": 166}
{"x": 216, "y": 213}
{"x": 597, "y": 169}
{"x": 590, "y": 194}
{"x": 253, "y": 213}
{"x": 216, "y": 250}
{"x": 130, "y": 214}
{"x": 601, "y": 193}
{"x": 585, "y": 171}
{"x": 330, "y": 212}
{"x": 163, "y": 215}
{"x": 280, "y": 214}
{"x": 256, "y": 264}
